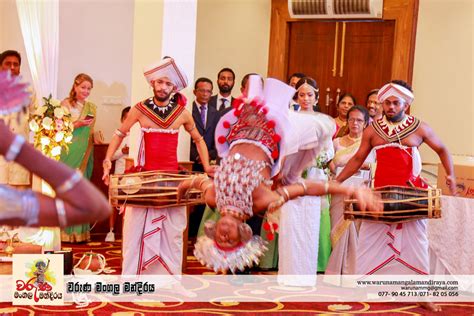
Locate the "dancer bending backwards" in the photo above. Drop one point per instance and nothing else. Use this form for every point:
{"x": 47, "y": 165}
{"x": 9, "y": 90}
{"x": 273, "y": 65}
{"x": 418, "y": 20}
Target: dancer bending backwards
{"x": 253, "y": 140}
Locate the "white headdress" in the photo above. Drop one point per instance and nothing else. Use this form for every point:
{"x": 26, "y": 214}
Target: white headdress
{"x": 395, "y": 90}
{"x": 166, "y": 68}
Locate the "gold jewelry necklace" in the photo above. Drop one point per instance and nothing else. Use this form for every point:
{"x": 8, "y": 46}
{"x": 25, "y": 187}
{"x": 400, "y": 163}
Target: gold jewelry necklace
{"x": 354, "y": 139}
{"x": 340, "y": 121}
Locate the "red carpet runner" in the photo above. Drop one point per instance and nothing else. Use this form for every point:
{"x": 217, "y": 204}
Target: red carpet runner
{"x": 112, "y": 253}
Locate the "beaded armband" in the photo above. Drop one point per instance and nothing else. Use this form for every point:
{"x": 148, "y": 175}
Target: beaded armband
{"x": 61, "y": 210}
{"x": 67, "y": 185}
{"x": 15, "y": 148}
{"x": 119, "y": 133}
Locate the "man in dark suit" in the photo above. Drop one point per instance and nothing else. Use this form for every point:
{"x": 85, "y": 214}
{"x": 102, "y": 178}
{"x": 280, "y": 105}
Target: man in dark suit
{"x": 222, "y": 101}
{"x": 206, "y": 118}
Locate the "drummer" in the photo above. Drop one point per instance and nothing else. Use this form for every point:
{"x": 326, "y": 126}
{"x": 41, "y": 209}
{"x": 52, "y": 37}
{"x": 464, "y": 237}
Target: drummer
{"x": 152, "y": 238}
{"x": 395, "y": 138}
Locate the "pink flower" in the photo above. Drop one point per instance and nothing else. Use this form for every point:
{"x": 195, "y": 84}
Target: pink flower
{"x": 59, "y": 124}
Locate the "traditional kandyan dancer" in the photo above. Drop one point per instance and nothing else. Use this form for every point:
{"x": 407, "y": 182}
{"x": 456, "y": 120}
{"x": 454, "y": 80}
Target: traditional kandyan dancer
{"x": 28, "y": 208}
{"x": 395, "y": 138}
{"x": 252, "y": 142}
{"x": 152, "y": 238}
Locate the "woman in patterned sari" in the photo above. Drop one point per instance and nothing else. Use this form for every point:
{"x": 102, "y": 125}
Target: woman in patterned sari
{"x": 346, "y": 101}
{"x": 344, "y": 233}
{"x": 80, "y": 153}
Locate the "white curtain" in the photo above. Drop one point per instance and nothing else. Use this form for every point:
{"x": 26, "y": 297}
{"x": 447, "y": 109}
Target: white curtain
{"x": 39, "y": 21}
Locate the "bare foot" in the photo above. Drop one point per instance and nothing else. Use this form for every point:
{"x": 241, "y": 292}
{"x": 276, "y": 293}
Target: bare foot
{"x": 432, "y": 307}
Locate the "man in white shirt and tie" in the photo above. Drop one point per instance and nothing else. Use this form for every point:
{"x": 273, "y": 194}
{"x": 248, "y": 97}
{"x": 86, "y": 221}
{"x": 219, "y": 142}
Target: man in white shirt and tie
{"x": 206, "y": 118}
{"x": 222, "y": 101}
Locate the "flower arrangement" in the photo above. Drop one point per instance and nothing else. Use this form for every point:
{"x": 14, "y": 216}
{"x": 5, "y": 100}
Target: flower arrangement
{"x": 53, "y": 128}
{"x": 320, "y": 162}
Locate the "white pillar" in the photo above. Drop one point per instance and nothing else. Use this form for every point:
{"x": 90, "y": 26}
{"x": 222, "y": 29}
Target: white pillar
{"x": 179, "y": 42}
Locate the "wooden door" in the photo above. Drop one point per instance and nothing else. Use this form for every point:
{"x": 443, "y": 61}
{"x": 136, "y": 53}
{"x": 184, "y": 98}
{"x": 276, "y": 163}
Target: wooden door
{"x": 311, "y": 51}
{"x": 353, "y": 57}
{"x": 368, "y": 54}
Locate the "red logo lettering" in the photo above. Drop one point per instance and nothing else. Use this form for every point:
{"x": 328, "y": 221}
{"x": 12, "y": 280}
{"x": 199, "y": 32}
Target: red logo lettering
{"x": 29, "y": 286}
{"x": 470, "y": 191}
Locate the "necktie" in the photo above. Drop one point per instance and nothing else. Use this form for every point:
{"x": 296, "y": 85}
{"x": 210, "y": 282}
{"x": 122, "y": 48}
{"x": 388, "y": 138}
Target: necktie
{"x": 222, "y": 106}
{"x": 203, "y": 115}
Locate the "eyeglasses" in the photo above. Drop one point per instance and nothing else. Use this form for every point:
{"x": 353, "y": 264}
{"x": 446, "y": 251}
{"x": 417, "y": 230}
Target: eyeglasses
{"x": 353, "y": 120}
{"x": 204, "y": 91}
{"x": 373, "y": 102}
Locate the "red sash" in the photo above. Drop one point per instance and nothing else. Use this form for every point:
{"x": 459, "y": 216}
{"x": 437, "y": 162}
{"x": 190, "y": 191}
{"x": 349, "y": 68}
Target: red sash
{"x": 160, "y": 151}
{"x": 395, "y": 167}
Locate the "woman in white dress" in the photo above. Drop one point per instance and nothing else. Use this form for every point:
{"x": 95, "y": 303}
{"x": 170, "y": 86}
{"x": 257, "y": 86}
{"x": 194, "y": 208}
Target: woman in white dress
{"x": 299, "y": 239}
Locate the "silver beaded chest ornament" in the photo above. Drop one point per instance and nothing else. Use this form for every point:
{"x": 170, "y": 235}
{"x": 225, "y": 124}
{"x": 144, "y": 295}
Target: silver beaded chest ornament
{"x": 235, "y": 180}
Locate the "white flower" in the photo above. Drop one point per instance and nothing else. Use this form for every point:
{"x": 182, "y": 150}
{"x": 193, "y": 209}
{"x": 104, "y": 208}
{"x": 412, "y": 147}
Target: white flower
{"x": 68, "y": 138}
{"x": 59, "y": 112}
{"x": 55, "y": 103}
{"x": 47, "y": 121}
{"x": 45, "y": 141}
{"x": 40, "y": 110}
{"x": 59, "y": 136}
{"x": 34, "y": 126}
{"x": 56, "y": 151}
